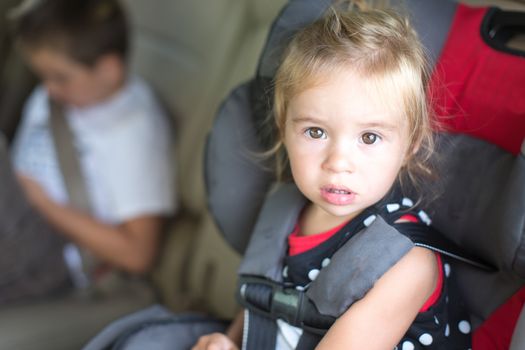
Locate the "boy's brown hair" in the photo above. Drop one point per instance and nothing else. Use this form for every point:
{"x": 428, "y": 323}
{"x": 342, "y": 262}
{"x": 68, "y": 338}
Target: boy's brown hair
{"x": 84, "y": 30}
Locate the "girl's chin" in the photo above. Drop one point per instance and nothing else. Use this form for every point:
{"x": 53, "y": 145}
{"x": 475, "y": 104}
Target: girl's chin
{"x": 339, "y": 213}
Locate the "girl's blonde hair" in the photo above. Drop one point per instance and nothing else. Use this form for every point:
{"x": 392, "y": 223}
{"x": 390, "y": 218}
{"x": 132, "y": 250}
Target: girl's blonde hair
{"x": 378, "y": 44}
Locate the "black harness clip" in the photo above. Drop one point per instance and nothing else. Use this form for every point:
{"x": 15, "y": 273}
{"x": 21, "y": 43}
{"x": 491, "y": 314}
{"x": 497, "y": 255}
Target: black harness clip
{"x": 276, "y": 301}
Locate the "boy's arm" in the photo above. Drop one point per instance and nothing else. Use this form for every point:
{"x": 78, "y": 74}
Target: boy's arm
{"x": 131, "y": 246}
{"x": 382, "y": 317}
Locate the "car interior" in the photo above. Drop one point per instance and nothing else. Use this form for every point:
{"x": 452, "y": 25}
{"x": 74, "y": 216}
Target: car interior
{"x": 194, "y": 53}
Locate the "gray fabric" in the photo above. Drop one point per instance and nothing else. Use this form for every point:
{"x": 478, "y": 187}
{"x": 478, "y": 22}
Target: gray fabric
{"x": 31, "y": 263}
{"x": 155, "y": 328}
{"x": 235, "y": 175}
{"x": 295, "y": 15}
{"x": 513, "y": 220}
{"x": 484, "y": 292}
{"x": 356, "y": 266}
{"x": 480, "y": 197}
{"x": 179, "y": 333}
{"x": 111, "y": 332}
{"x": 518, "y": 337}
{"x": 432, "y": 20}
{"x": 481, "y": 206}
{"x": 268, "y": 245}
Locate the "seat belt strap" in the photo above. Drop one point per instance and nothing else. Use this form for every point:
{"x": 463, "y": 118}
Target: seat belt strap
{"x": 78, "y": 262}
{"x": 68, "y": 159}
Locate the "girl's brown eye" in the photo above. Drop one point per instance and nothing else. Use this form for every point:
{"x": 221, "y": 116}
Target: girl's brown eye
{"x": 369, "y": 138}
{"x": 316, "y": 133}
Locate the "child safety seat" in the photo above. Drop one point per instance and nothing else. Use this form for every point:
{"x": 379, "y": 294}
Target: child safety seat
{"x": 481, "y": 162}
{"x": 481, "y": 210}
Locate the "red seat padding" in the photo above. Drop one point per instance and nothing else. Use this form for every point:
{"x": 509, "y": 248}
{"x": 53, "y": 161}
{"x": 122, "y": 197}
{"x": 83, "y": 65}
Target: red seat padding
{"x": 477, "y": 89}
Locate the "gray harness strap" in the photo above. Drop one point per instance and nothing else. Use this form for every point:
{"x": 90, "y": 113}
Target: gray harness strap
{"x": 372, "y": 252}
{"x": 267, "y": 246}
{"x": 362, "y": 260}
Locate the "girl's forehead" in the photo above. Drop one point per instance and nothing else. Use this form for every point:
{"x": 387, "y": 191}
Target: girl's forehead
{"x": 385, "y": 94}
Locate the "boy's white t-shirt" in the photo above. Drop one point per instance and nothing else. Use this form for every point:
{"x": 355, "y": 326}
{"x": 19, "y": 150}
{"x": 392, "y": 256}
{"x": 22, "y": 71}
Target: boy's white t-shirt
{"x": 125, "y": 152}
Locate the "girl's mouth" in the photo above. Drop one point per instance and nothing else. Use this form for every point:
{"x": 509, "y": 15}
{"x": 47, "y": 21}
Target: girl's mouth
{"x": 337, "y": 195}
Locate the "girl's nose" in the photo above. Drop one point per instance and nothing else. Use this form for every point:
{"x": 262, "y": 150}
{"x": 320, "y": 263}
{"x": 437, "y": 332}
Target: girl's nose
{"x": 340, "y": 159}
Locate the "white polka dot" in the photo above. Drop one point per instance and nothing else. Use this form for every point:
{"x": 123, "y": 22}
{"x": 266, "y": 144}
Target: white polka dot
{"x": 447, "y": 269}
{"x": 407, "y": 346}
{"x": 325, "y": 262}
{"x": 369, "y": 220}
{"x": 464, "y": 327}
{"x": 424, "y": 217}
{"x": 392, "y": 207}
{"x": 312, "y": 274}
{"x": 426, "y": 339}
{"x": 243, "y": 289}
{"x": 436, "y": 320}
{"x": 285, "y": 272}
{"x": 447, "y": 330}
{"x": 407, "y": 202}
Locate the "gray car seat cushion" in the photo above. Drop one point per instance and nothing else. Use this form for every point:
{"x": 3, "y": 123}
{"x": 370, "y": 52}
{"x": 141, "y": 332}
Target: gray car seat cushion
{"x": 236, "y": 175}
{"x": 481, "y": 199}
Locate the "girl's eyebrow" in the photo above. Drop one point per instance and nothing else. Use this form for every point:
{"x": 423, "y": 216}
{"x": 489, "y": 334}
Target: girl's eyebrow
{"x": 306, "y": 119}
{"x": 366, "y": 125}
{"x": 379, "y": 125}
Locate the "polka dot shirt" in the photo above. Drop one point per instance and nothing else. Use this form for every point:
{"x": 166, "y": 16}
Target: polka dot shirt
{"x": 442, "y": 325}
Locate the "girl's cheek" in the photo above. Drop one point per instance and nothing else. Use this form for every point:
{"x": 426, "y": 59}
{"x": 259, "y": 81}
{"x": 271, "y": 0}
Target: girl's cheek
{"x": 311, "y": 149}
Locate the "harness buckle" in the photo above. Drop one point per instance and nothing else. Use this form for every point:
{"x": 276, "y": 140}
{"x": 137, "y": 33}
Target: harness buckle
{"x": 286, "y": 305}
{"x": 273, "y": 300}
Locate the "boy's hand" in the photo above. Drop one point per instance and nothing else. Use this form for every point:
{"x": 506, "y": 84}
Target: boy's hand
{"x": 215, "y": 341}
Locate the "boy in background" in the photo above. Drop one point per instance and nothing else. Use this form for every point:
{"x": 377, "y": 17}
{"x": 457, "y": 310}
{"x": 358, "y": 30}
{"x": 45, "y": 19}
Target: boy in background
{"x": 120, "y": 134}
